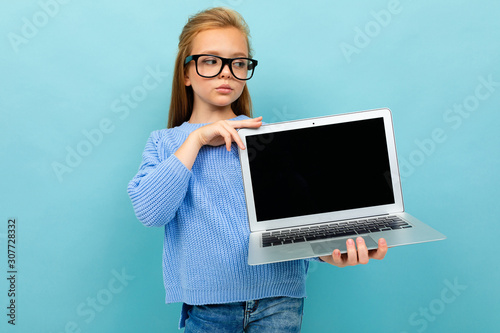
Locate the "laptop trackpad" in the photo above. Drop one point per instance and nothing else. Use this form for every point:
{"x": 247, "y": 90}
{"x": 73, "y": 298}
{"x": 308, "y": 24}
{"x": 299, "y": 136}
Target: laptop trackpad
{"x": 327, "y": 247}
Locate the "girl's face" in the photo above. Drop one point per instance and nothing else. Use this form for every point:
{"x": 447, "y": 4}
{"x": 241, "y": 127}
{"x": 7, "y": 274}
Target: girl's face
{"x": 219, "y": 92}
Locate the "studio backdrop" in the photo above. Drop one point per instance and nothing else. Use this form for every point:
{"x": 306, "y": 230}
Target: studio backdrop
{"x": 84, "y": 83}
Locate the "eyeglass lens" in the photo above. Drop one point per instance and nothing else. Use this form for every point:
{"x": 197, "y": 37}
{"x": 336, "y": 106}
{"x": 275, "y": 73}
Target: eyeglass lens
{"x": 211, "y": 66}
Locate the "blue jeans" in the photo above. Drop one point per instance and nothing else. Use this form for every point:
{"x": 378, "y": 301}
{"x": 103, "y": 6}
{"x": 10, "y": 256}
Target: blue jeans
{"x": 275, "y": 314}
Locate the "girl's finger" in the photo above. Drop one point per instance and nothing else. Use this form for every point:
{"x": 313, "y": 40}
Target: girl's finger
{"x": 236, "y": 138}
{"x": 254, "y": 122}
{"x": 380, "y": 253}
{"x": 362, "y": 251}
{"x": 352, "y": 256}
{"x": 231, "y": 125}
{"x": 227, "y": 138}
{"x": 337, "y": 258}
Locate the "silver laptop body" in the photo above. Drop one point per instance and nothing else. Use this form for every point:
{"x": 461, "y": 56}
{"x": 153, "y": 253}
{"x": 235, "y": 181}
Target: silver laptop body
{"x": 311, "y": 184}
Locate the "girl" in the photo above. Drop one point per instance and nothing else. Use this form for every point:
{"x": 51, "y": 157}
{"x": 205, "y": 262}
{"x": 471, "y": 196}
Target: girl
{"x": 190, "y": 183}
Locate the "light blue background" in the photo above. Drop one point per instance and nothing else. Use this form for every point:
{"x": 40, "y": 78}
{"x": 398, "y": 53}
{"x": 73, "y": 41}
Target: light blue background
{"x": 76, "y": 233}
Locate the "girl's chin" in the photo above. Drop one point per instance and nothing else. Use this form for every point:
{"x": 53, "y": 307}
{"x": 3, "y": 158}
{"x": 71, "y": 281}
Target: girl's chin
{"x": 223, "y": 101}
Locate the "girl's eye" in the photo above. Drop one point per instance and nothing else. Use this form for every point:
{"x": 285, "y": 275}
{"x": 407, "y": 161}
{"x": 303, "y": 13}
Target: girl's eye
{"x": 209, "y": 61}
{"x": 239, "y": 64}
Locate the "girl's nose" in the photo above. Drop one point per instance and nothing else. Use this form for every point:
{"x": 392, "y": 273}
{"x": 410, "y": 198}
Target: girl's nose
{"x": 226, "y": 71}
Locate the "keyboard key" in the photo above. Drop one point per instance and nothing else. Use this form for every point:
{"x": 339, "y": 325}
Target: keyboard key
{"x": 333, "y": 230}
{"x": 270, "y": 242}
{"x": 322, "y": 237}
{"x": 398, "y": 223}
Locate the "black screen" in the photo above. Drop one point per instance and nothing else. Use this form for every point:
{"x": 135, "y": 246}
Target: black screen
{"x": 320, "y": 169}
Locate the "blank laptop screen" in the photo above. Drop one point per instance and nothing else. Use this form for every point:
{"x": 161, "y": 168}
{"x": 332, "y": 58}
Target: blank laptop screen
{"x": 320, "y": 169}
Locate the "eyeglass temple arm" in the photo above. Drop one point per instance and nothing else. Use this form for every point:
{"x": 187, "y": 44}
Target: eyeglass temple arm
{"x": 253, "y": 64}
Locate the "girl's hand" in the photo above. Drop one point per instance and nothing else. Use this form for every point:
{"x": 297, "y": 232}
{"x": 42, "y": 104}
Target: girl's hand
{"x": 353, "y": 257}
{"x": 216, "y": 134}
{"x": 224, "y": 131}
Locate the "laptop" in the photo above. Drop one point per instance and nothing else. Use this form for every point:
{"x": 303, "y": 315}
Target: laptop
{"x": 311, "y": 184}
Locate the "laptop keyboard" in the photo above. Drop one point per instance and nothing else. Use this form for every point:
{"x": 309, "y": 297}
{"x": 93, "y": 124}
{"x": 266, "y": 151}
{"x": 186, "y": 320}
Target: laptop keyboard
{"x": 333, "y": 230}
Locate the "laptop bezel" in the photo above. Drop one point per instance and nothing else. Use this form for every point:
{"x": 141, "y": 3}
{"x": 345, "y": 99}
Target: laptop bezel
{"x": 396, "y": 207}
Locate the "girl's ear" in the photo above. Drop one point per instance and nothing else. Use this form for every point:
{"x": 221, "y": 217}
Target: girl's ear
{"x": 187, "y": 81}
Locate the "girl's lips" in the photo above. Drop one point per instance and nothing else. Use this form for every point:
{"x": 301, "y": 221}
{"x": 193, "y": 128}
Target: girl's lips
{"x": 224, "y": 89}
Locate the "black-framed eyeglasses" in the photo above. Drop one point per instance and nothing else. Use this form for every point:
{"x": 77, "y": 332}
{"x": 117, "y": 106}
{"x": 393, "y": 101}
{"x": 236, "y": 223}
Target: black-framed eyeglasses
{"x": 209, "y": 65}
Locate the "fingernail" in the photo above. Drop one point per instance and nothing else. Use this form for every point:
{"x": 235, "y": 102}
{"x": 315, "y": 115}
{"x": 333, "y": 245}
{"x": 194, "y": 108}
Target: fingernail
{"x": 350, "y": 241}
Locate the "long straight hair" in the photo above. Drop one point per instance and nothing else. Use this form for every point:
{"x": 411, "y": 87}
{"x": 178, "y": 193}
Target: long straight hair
{"x": 182, "y": 99}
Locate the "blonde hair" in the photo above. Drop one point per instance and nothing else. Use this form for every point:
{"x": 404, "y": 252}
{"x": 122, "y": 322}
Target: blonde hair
{"x": 182, "y": 99}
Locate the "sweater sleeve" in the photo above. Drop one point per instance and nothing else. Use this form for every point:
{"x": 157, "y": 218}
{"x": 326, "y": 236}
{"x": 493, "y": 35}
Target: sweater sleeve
{"x": 159, "y": 187}
{"x": 317, "y": 259}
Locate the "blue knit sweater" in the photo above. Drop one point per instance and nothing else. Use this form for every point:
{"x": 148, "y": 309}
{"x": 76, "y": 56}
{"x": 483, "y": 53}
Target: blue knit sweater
{"x": 206, "y": 226}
